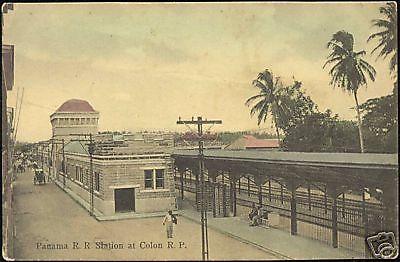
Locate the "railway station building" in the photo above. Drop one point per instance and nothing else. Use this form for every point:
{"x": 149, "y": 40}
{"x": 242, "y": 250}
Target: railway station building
{"x": 128, "y": 172}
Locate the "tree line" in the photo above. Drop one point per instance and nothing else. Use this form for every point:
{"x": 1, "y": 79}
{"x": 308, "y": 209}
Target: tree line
{"x": 305, "y": 128}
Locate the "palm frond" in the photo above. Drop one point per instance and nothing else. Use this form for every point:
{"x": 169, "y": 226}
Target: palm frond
{"x": 369, "y": 69}
{"x": 267, "y": 77}
{"x": 338, "y": 50}
{"x": 257, "y": 107}
{"x": 360, "y": 53}
{"x": 329, "y": 61}
{"x": 257, "y": 83}
{"x": 345, "y": 39}
{"x": 263, "y": 112}
{"x": 381, "y": 43}
{"x": 378, "y": 34}
{"x": 393, "y": 64}
{"x": 251, "y": 99}
{"x": 381, "y": 23}
{"x": 387, "y": 38}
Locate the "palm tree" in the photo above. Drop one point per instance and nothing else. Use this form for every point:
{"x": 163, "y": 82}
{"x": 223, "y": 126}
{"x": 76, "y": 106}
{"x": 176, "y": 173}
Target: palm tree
{"x": 349, "y": 71}
{"x": 268, "y": 101}
{"x": 387, "y": 38}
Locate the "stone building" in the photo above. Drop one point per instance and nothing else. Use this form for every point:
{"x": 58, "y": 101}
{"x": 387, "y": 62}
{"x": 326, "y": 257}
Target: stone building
{"x": 131, "y": 172}
{"x": 75, "y": 116}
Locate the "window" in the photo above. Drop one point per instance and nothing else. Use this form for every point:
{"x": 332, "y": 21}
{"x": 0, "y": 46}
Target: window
{"x": 159, "y": 178}
{"x": 80, "y": 175}
{"x": 76, "y": 173}
{"x": 97, "y": 181}
{"x": 154, "y": 178}
{"x": 148, "y": 179}
{"x": 86, "y": 178}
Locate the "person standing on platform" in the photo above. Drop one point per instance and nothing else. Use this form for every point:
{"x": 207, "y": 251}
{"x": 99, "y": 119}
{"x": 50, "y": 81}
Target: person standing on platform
{"x": 169, "y": 221}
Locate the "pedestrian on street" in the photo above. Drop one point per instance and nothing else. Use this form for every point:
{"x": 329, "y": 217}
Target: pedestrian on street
{"x": 169, "y": 221}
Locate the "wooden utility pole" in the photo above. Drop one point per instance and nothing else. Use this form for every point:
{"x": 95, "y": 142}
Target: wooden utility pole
{"x": 204, "y": 233}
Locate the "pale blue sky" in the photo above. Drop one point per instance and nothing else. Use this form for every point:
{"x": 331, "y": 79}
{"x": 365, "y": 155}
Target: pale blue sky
{"x": 143, "y": 65}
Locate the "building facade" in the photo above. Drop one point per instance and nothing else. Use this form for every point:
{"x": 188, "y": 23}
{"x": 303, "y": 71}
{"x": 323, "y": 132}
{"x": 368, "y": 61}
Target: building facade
{"x": 126, "y": 172}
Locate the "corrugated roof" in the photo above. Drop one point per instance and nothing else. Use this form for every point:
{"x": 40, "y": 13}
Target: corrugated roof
{"x": 321, "y": 158}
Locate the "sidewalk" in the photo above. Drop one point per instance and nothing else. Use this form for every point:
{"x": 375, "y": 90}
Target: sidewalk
{"x": 99, "y": 216}
{"x": 278, "y": 242}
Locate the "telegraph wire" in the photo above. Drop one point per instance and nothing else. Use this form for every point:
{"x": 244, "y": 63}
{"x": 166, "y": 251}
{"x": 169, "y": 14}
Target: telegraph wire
{"x": 40, "y": 106}
{"x": 16, "y": 107}
{"x": 19, "y": 114}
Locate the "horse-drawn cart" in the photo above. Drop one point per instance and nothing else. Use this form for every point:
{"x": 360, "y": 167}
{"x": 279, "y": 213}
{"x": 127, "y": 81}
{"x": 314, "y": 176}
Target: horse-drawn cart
{"x": 39, "y": 177}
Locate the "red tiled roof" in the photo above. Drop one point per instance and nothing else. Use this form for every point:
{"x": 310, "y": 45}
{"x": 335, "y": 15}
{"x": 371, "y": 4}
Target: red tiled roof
{"x": 75, "y": 105}
{"x": 252, "y": 142}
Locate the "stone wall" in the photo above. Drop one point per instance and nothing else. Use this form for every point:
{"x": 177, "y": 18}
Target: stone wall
{"x": 114, "y": 174}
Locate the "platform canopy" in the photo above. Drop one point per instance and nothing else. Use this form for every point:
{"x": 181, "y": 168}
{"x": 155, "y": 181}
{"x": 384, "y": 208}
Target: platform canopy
{"x": 354, "y": 168}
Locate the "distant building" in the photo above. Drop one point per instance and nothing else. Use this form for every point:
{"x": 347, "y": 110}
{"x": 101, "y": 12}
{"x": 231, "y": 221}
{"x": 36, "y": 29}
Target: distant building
{"x": 251, "y": 142}
{"x": 131, "y": 172}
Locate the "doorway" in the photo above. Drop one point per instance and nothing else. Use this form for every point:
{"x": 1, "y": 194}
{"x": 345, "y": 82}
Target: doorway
{"x": 124, "y": 200}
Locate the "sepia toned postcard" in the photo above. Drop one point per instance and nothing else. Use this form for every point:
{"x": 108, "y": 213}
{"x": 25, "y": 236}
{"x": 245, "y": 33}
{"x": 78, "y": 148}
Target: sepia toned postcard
{"x": 199, "y": 131}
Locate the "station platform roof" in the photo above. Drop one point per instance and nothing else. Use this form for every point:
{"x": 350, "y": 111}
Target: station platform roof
{"x": 327, "y": 159}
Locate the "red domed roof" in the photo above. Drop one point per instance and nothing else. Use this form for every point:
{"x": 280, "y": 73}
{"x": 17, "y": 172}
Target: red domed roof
{"x": 75, "y": 105}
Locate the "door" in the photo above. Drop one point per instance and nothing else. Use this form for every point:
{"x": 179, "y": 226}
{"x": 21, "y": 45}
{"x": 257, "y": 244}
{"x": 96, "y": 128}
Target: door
{"x": 124, "y": 199}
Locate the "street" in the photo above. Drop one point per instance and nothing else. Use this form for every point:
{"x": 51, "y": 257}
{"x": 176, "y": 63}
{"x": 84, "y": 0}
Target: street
{"x": 49, "y": 225}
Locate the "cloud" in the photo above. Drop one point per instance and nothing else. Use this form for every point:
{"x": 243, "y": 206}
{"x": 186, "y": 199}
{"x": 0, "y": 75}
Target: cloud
{"x": 150, "y": 63}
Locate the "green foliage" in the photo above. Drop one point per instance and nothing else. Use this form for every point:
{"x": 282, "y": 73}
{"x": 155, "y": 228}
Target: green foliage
{"x": 349, "y": 70}
{"x": 387, "y": 37}
{"x": 380, "y": 122}
{"x": 305, "y": 128}
{"x": 321, "y": 132}
{"x": 269, "y": 100}
{"x": 297, "y": 106}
